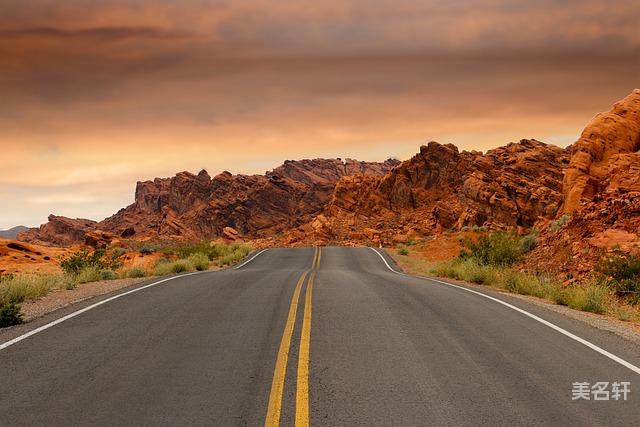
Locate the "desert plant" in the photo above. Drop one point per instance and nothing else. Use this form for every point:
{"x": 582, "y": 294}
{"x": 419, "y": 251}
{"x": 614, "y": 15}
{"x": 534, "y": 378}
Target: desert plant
{"x": 499, "y": 249}
{"x": 135, "y": 273}
{"x": 117, "y": 252}
{"x": 108, "y": 275}
{"x": 403, "y": 251}
{"x": 199, "y": 261}
{"x": 180, "y": 266}
{"x": 86, "y": 275}
{"x": 10, "y": 315}
{"x": 559, "y": 224}
{"x": 623, "y": 273}
{"x": 149, "y": 249}
{"x": 529, "y": 242}
{"x": 82, "y": 259}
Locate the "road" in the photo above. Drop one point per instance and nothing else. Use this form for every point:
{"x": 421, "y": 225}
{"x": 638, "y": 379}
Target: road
{"x": 320, "y": 336}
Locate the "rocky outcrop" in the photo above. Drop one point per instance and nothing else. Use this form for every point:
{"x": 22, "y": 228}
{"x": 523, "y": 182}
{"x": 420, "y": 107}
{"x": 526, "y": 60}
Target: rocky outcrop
{"x": 59, "y": 231}
{"x": 604, "y": 155}
{"x": 189, "y": 206}
{"x": 441, "y": 188}
{"x": 601, "y": 195}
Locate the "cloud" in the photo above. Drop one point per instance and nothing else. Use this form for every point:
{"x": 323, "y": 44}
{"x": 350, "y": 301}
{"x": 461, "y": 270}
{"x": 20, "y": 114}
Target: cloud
{"x": 96, "y": 95}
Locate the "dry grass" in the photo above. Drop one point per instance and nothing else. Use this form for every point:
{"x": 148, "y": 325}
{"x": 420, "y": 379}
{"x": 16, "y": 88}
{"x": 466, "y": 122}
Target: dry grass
{"x": 591, "y": 295}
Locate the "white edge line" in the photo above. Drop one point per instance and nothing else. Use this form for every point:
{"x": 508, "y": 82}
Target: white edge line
{"x": 249, "y": 260}
{"x": 92, "y": 306}
{"x": 526, "y": 313}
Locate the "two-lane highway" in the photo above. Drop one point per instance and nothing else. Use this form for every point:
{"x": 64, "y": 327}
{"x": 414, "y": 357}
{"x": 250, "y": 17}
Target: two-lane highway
{"x": 320, "y": 336}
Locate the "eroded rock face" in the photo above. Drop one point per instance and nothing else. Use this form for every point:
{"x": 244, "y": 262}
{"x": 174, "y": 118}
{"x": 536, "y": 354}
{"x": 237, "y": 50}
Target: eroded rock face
{"x": 601, "y": 195}
{"x": 189, "y": 206}
{"x": 59, "y": 231}
{"x": 604, "y": 154}
{"x": 441, "y": 188}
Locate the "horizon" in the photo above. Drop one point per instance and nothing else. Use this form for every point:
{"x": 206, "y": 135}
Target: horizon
{"x": 98, "y": 96}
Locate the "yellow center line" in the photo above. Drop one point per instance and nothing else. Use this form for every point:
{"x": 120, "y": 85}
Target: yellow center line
{"x": 302, "y": 391}
{"x": 277, "y": 385}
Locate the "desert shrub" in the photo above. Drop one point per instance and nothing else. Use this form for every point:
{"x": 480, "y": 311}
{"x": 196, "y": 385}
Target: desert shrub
{"x": 82, "y": 260}
{"x": 108, "y": 275}
{"x": 403, "y": 251}
{"x": 199, "y": 261}
{"x": 30, "y": 286}
{"x": 411, "y": 241}
{"x": 163, "y": 267}
{"x": 524, "y": 284}
{"x": 136, "y": 272}
{"x": 559, "y": 224}
{"x": 87, "y": 274}
{"x": 180, "y": 266}
{"x": 592, "y": 296}
{"x": 117, "y": 252}
{"x": 10, "y": 315}
{"x": 478, "y": 228}
{"x": 623, "y": 273}
{"x": 498, "y": 249}
{"x": 529, "y": 242}
{"x": 149, "y": 249}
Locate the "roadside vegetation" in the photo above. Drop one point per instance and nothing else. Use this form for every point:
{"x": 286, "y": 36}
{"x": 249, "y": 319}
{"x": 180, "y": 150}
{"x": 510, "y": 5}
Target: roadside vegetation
{"x": 613, "y": 289}
{"x": 86, "y": 266}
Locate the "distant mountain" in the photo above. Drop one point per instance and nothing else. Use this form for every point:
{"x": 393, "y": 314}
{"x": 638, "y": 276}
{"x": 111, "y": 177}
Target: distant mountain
{"x": 12, "y": 232}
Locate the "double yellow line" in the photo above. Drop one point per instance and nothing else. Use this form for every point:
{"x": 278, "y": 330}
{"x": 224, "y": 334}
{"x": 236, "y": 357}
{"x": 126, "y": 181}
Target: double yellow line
{"x": 277, "y": 385}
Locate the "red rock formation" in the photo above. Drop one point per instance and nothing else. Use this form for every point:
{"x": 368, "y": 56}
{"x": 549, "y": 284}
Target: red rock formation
{"x": 601, "y": 195}
{"x": 605, "y": 152}
{"x": 190, "y": 206}
{"x": 59, "y": 231}
{"x": 441, "y": 188}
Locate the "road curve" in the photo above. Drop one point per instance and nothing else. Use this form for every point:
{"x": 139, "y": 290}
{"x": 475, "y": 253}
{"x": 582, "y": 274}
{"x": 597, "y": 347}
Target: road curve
{"x": 319, "y": 336}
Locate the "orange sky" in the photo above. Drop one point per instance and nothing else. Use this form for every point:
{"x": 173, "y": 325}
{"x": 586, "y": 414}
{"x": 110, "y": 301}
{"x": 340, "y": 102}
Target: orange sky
{"x": 96, "y": 95}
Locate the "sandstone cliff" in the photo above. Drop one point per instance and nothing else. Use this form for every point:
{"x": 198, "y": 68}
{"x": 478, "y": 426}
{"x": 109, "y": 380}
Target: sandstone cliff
{"x": 441, "y": 188}
{"x": 189, "y": 206}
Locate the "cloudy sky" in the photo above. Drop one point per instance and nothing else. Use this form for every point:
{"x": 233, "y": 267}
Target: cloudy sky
{"x": 97, "y": 94}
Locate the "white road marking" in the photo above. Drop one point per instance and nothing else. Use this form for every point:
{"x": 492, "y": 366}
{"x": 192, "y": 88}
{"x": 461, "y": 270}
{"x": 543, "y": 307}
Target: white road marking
{"x": 526, "y": 313}
{"x": 249, "y": 260}
{"x": 84, "y": 310}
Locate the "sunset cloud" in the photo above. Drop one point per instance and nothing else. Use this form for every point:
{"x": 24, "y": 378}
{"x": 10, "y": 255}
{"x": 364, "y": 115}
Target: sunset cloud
{"x": 98, "y": 95}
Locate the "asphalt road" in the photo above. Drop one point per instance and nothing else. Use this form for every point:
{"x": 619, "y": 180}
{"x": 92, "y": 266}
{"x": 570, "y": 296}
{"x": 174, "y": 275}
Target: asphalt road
{"x": 326, "y": 336}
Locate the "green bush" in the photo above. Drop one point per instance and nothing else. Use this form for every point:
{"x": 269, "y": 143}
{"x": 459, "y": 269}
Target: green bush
{"x": 199, "y": 261}
{"x": 559, "y": 224}
{"x": 529, "y": 242}
{"x": 82, "y": 260}
{"x": 86, "y": 275}
{"x": 149, "y": 249}
{"x": 592, "y": 296}
{"x": 623, "y": 273}
{"x": 10, "y": 315}
{"x": 135, "y": 273}
{"x": 108, "y": 275}
{"x": 403, "y": 251}
{"x": 117, "y": 252}
{"x": 180, "y": 266}
{"x": 498, "y": 249}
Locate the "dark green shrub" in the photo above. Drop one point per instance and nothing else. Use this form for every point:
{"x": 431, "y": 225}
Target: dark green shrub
{"x": 559, "y": 224}
{"x": 499, "y": 249}
{"x": 403, "y": 251}
{"x": 82, "y": 260}
{"x": 180, "y": 267}
{"x": 135, "y": 273}
{"x": 148, "y": 249}
{"x": 108, "y": 275}
{"x": 623, "y": 272}
{"x": 529, "y": 242}
{"x": 10, "y": 315}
